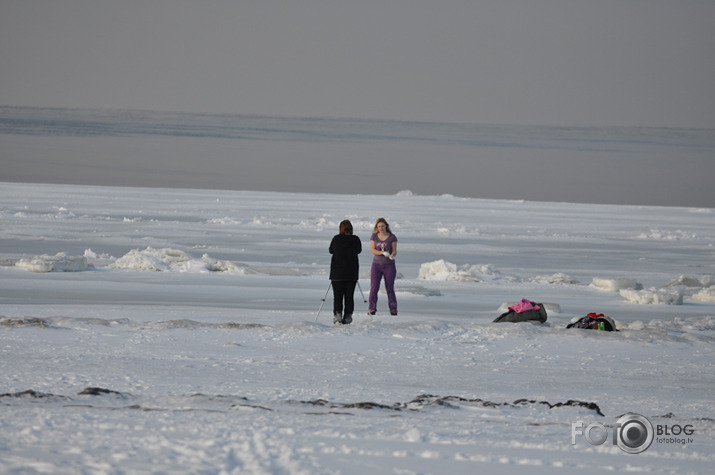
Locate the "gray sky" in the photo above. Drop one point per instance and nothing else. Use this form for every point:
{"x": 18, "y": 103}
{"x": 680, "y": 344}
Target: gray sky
{"x": 553, "y": 62}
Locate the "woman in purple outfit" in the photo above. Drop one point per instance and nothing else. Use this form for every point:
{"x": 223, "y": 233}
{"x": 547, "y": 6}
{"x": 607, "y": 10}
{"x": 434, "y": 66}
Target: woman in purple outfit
{"x": 383, "y": 245}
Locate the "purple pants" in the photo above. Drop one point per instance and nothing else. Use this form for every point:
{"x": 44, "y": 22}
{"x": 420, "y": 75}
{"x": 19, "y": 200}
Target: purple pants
{"x": 389, "y": 272}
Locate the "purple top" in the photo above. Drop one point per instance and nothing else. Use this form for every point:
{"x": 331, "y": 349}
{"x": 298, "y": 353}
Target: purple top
{"x": 385, "y": 245}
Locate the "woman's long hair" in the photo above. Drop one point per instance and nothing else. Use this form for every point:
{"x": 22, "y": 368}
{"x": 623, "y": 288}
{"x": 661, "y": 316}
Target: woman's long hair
{"x": 346, "y": 227}
{"x": 387, "y": 226}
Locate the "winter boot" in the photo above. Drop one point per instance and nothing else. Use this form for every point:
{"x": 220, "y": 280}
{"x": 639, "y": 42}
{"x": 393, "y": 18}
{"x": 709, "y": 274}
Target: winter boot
{"x": 337, "y": 318}
{"x": 347, "y": 319}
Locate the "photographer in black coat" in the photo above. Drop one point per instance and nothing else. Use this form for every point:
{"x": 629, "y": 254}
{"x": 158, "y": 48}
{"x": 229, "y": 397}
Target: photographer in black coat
{"x": 344, "y": 269}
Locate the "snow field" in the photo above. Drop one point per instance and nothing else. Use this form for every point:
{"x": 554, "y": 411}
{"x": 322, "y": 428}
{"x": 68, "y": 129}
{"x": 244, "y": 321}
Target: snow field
{"x": 157, "y": 331}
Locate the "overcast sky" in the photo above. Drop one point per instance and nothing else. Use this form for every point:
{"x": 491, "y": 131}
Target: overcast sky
{"x": 555, "y": 62}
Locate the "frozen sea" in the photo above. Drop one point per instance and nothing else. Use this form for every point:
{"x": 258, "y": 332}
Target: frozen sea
{"x": 159, "y": 330}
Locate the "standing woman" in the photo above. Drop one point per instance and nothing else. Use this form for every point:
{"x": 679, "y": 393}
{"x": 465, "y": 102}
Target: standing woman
{"x": 383, "y": 245}
{"x": 344, "y": 266}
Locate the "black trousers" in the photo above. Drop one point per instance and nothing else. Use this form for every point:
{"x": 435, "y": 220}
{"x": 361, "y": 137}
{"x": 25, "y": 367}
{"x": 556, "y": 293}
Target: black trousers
{"x": 343, "y": 290}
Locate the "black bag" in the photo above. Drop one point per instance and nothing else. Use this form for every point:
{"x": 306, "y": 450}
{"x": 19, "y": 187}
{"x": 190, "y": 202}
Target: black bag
{"x": 531, "y": 316}
{"x": 594, "y": 321}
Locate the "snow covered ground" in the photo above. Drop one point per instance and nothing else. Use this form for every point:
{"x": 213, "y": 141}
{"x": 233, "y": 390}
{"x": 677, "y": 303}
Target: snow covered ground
{"x": 165, "y": 331}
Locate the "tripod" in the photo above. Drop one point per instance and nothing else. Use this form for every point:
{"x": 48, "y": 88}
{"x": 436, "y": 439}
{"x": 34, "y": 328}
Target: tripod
{"x": 326, "y": 296}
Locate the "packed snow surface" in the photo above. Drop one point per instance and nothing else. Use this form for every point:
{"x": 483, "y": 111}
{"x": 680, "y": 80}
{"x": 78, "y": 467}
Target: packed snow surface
{"x": 164, "y": 331}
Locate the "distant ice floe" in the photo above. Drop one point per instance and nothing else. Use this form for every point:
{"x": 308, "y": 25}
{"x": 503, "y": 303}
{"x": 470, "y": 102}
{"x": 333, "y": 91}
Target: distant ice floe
{"x": 616, "y": 284}
{"x": 216, "y": 265}
{"x": 672, "y": 294}
{"x": 442, "y": 270}
{"x": 90, "y": 254}
{"x": 705, "y": 295}
{"x": 224, "y": 220}
{"x": 558, "y": 278}
{"x": 633, "y": 291}
{"x": 669, "y": 296}
{"x": 167, "y": 259}
{"x": 692, "y": 283}
{"x": 677, "y": 235}
{"x": 60, "y": 262}
{"x": 149, "y": 259}
{"x": 701, "y": 289}
{"x": 446, "y": 271}
{"x": 152, "y": 259}
{"x": 685, "y": 281}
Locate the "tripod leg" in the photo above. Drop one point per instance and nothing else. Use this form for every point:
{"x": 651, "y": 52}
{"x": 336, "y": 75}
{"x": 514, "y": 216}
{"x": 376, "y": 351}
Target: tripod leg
{"x": 323, "y": 303}
{"x": 363, "y": 296}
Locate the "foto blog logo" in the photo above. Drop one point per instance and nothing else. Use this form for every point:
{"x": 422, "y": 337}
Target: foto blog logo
{"x": 632, "y": 433}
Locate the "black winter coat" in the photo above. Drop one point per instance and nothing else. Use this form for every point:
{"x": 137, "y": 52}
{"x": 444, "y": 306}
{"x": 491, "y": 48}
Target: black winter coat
{"x": 344, "y": 265}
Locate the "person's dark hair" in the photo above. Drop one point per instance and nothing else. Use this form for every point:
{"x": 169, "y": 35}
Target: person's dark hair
{"x": 346, "y": 227}
{"x": 387, "y": 226}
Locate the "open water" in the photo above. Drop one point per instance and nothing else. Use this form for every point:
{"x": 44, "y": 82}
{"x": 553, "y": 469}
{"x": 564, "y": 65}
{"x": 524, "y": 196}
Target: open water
{"x": 615, "y": 165}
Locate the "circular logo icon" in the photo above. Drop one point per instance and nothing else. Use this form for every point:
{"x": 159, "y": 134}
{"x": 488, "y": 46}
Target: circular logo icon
{"x": 634, "y": 433}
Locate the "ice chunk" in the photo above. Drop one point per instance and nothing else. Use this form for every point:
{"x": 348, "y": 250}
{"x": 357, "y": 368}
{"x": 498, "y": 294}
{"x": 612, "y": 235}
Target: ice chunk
{"x": 615, "y": 284}
{"x": 670, "y": 296}
{"x": 558, "y": 278}
{"x": 705, "y": 295}
{"x": 151, "y": 259}
{"x": 685, "y": 280}
{"x": 57, "y": 263}
{"x": 443, "y": 270}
